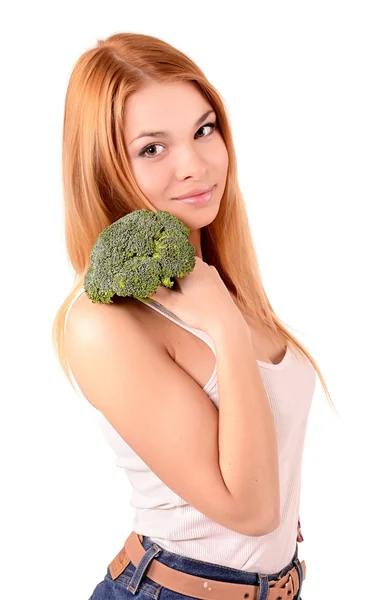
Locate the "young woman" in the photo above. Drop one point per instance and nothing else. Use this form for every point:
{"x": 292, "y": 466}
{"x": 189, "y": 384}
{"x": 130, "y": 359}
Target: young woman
{"x": 203, "y": 394}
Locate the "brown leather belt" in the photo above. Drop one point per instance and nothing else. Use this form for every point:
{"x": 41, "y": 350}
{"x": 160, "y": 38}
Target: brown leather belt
{"x": 199, "y": 587}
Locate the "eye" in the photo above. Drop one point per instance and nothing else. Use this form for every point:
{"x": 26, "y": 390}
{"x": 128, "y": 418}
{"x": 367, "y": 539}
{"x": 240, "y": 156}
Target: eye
{"x": 212, "y": 125}
{"x": 150, "y": 155}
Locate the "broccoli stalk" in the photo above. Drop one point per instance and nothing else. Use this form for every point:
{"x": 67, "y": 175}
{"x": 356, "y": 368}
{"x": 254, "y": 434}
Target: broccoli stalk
{"x": 138, "y": 253}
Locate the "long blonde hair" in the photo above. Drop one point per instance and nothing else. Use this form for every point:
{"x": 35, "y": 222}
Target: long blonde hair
{"x": 99, "y": 188}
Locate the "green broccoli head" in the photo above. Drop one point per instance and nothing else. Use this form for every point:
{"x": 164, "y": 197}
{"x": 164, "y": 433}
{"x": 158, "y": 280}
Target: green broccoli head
{"x": 138, "y": 253}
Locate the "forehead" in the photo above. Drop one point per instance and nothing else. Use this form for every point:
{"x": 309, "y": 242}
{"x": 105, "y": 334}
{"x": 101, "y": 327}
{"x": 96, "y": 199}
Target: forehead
{"x": 166, "y": 106}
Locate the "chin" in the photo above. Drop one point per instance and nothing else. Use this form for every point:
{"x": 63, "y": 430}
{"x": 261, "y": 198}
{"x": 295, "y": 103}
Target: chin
{"x": 198, "y": 219}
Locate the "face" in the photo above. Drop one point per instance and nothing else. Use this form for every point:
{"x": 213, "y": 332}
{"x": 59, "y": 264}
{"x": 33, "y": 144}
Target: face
{"x": 189, "y": 152}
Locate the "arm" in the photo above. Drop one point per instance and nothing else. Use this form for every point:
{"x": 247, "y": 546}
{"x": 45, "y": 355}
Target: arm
{"x": 167, "y": 419}
{"x": 248, "y": 453}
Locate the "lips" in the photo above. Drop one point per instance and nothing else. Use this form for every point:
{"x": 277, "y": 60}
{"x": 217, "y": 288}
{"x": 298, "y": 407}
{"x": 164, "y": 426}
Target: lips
{"x": 199, "y": 200}
{"x": 195, "y": 192}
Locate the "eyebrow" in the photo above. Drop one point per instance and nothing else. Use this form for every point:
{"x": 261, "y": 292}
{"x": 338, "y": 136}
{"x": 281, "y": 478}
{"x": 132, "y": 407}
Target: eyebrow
{"x": 166, "y": 133}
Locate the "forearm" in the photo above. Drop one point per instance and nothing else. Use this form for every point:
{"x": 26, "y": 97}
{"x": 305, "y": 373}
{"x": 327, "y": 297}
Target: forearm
{"x": 248, "y": 453}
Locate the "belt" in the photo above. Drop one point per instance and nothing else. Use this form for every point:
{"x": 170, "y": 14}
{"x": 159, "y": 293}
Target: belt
{"x": 133, "y": 551}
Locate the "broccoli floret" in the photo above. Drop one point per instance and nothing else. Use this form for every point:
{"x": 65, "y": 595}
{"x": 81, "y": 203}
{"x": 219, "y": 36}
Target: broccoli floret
{"x": 138, "y": 253}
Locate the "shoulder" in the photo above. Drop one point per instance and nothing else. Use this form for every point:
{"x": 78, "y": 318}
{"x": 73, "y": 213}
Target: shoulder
{"x": 91, "y": 321}
{"x": 107, "y": 348}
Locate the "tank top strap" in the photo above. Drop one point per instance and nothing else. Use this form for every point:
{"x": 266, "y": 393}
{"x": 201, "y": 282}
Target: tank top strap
{"x": 167, "y": 313}
{"x": 172, "y": 317}
{"x": 197, "y": 332}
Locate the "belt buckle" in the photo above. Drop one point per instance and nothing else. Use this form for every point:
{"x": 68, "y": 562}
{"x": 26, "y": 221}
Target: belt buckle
{"x": 290, "y": 587}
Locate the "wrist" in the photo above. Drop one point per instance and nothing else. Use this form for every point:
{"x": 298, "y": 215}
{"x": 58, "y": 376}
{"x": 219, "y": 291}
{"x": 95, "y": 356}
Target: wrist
{"x": 231, "y": 327}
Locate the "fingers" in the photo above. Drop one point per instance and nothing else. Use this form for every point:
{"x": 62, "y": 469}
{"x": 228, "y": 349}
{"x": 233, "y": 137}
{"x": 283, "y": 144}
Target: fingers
{"x": 299, "y": 534}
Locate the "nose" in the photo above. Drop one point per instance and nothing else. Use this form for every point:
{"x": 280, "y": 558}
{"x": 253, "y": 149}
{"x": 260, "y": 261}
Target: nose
{"x": 190, "y": 163}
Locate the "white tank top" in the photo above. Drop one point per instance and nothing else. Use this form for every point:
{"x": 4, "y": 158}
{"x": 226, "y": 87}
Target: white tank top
{"x": 176, "y": 526}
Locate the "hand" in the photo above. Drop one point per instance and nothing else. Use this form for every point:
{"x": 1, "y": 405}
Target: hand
{"x": 299, "y": 534}
{"x": 202, "y": 300}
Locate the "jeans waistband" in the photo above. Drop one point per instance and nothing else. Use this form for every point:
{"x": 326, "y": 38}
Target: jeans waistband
{"x": 196, "y": 570}
{"x": 206, "y": 569}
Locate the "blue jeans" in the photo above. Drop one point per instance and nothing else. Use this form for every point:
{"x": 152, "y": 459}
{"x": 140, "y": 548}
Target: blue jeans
{"x": 146, "y": 589}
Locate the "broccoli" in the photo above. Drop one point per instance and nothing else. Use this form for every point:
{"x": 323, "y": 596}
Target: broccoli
{"x": 138, "y": 253}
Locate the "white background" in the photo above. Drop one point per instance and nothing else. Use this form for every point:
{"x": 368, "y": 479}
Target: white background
{"x": 301, "y": 83}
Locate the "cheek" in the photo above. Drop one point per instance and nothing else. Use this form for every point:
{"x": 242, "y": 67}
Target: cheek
{"x": 224, "y": 159}
{"x": 222, "y": 167}
{"x": 149, "y": 180}
{"x": 153, "y": 184}
{"x": 220, "y": 157}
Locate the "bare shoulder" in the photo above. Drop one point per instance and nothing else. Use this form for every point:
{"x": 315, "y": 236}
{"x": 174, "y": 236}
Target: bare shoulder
{"x": 85, "y": 314}
{"x": 92, "y": 326}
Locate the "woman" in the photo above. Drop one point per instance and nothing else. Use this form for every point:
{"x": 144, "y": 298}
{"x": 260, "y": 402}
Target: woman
{"x": 203, "y": 394}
